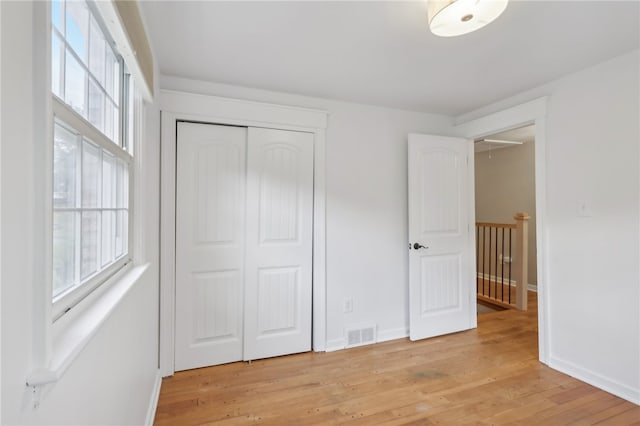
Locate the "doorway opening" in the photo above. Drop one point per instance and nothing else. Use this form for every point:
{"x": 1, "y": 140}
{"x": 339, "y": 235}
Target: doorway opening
{"x": 505, "y": 210}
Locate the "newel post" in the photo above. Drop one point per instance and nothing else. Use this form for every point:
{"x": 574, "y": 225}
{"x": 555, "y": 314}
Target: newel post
{"x": 521, "y": 260}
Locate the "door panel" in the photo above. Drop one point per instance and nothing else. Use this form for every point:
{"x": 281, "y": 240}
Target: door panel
{"x": 210, "y": 205}
{"x": 278, "y": 300}
{"x": 279, "y": 244}
{"x": 441, "y": 279}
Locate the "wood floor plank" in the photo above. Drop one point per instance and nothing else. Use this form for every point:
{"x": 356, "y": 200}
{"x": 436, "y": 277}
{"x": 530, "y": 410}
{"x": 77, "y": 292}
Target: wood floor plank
{"x": 489, "y": 375}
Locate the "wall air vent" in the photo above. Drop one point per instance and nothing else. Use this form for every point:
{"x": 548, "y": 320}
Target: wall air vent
{"x": 362, "y": 335}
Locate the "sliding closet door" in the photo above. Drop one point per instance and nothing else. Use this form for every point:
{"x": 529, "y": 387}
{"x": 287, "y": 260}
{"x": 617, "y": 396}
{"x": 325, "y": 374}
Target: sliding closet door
{"x": 279, "y": 243}
{"x": 210, "y": 235}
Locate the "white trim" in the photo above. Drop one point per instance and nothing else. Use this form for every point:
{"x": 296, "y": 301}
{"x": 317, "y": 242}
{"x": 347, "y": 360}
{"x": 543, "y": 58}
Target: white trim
{"x": 382, "y": 336}
{"x": 498, "y": 280}
{"x": 532, "y": 112}
{"x": 512, "y": 283}
{"x": 74, "y": 123}
{"x": 177, "y": 106}
{"x": 42, "y": 192}
{"x": 111, "y": 17}
{"x": 595, "y": 379}
{"x": 319, "y": 320}
{"x": 242, "y": 113}
{"x": 471, "y": 226}
{"x": 393, "y": 334}
{"x": 335, "y": 345}
{"x": 80, "y": 125}
{"x": 1, "y": 205}
{"x": 74, "y": 331}
{"x": 153, "y": 401}
{"x": 137, "y": 208}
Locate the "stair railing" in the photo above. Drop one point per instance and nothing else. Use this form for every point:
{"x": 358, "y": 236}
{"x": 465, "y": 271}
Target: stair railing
{"x": 501, "y": 262}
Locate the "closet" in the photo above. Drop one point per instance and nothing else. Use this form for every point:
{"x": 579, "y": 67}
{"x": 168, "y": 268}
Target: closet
{"x": 244, "y": 225}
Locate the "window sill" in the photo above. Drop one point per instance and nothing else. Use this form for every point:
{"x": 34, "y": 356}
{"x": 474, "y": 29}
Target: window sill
{"x": 73, "y": 334}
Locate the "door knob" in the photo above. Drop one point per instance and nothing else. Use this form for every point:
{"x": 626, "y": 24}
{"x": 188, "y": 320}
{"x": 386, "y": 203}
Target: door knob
{"x": 419, "y": 246}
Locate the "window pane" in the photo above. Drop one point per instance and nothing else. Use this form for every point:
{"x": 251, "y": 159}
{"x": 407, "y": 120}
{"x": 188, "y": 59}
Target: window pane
{"x": 96, "y": 105}
{"x": 91, "y": 168}
{"x": 89, "y": 260}
{"x": 110, "y": 77}
{"x": 121, "y": 232}
{"x": 116, "y": 126}
{"x": 57, "y": 7}
{"x": 77, "y": 27}
{"x": 56, "y": 65}
{"x": 108, "y": 236}
{"x": 108, "y": 180}
{"x": 65, "y": 167}
{"x": 130, "y": 113}
{"x": 122, "y": 192}
{"x": 108, "y": 123}
{"x": 74, "y": 84}
{"x": 64, "y": 251}
{"x": 97, "y": 52}
{"x": 116, "y": 80}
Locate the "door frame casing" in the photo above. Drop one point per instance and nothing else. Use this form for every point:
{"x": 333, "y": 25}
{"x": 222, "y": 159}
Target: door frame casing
{"x": 182, "y": 106}
{"x": 532, "y": 112}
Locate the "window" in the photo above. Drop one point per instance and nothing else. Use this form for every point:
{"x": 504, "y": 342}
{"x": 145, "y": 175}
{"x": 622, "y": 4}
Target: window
{"x": 92, "y": 142}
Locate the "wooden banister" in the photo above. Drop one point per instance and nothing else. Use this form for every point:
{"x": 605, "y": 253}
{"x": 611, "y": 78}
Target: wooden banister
{"x": 497, "y": 225}
{"x": 521, "y": 260}
{"x": 501, "y": 259}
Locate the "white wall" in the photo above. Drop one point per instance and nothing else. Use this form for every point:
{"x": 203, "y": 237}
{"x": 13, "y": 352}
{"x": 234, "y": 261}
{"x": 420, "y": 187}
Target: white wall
{"x": 367, "y": 255}
{"x": 593, "y": 277}
{"x": 111, "y": 381}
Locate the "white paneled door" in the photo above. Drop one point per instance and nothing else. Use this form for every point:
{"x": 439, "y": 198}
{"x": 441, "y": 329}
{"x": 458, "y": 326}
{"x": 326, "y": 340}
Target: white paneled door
{"x": 441, "y": 269}
{"x": 279, "y": 243}
{"x": 244, "y": 200}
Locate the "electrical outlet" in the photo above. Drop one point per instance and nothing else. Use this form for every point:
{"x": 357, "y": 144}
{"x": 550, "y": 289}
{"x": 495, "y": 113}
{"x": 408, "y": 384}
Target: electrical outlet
{"x": 347, "y": 305}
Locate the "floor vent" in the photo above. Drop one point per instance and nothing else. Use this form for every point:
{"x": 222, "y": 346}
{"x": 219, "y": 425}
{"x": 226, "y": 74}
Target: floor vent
{"x": 361, "y": 336}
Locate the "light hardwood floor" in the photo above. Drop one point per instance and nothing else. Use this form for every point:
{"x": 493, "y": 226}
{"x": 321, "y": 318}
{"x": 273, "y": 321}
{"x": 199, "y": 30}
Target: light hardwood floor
{"x": 485, "y": 376}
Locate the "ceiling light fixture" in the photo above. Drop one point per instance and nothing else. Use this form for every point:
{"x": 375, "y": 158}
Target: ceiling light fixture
{"x": 501, "y": 141}
{"x": 448, "y": 18}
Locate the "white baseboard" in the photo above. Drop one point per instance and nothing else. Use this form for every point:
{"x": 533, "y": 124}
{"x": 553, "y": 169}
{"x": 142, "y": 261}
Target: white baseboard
{"x": 153, "y": 401}
{"x": 335, "y": 345}
{"x": 392, "y": 334}
{"x": 512, "y": 283}
{"x": 383, "y": 336}
{"x": 493, "y": 278}
{"x": 595, "y": 379}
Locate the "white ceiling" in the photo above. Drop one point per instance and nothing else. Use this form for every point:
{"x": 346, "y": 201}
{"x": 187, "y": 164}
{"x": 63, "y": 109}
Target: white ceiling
{"x": 382, "y": 53}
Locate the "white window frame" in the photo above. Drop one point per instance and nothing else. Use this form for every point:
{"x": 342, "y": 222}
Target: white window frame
{"x": 69, "y": 118}
{"x": 56, "y": 345}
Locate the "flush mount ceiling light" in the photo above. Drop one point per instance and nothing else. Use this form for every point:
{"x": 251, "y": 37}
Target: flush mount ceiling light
{"x": 449, "y": 18}
{"x": 501, "y": 141}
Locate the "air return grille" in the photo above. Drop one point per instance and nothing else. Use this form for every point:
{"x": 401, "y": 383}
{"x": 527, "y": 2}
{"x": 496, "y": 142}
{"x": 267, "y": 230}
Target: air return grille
{"x": 358, "y": 336}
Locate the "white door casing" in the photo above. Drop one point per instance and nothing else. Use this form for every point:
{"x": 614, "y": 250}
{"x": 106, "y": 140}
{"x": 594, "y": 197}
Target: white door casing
{"x": 179, "y": 106}
{"x": 278, "y": 287}
{"x": 441, "y": 283}
{"x": 210, "y": 205}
